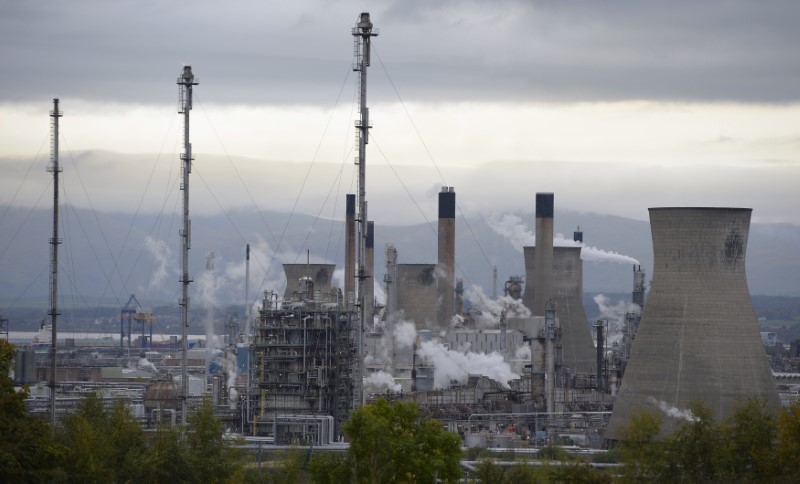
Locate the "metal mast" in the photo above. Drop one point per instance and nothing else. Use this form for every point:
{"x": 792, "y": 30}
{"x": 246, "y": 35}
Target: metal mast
{"x": 362, "y": 33}
{"x": 185, "y": 83}
{"x": 55, "y": 168}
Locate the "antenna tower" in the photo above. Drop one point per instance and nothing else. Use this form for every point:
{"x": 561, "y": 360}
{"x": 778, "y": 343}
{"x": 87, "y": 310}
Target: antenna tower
{"x": 362, "y": 33}
{"x": 55, "y": 168}
{"x": 185, "y": 82}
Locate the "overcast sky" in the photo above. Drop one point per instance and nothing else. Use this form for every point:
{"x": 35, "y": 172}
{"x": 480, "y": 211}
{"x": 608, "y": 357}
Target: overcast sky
{"x": 615, "y": 106}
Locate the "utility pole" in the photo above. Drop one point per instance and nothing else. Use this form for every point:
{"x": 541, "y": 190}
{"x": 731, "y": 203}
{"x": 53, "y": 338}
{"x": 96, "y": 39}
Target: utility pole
{"x": 362, "y": 33}
{"x": 55, "y": 168}
{"x": 185, "y": 83}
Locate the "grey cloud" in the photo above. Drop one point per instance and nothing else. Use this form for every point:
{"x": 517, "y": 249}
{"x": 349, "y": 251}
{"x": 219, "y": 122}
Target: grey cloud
{"x": 299, "y": 52}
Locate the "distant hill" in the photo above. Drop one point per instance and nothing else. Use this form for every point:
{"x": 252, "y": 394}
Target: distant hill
{"x": 108, "y": 256}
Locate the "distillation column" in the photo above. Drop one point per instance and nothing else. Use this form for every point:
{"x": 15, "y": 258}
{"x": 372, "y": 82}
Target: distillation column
{"x": 362, "y": 34}
{"x": 55, "y": 168}
{"x": 185, "y": 83}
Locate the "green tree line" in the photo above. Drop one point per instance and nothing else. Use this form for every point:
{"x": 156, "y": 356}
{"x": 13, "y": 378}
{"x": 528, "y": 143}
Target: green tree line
{"x": 389, "y": 443}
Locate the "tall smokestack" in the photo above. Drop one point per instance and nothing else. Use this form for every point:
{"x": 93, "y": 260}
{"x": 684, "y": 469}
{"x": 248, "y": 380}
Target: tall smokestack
{"x": 369, "y": 284}
{"x": 390, "y": 278}
{"x": 543, "y": 279}
{"x": 447, "y": 256}
{"x": 638, "y": 285}
{"x": 350, "y": 251}
{"x": 247, "y": 294}
{"x": 699, "y": 339}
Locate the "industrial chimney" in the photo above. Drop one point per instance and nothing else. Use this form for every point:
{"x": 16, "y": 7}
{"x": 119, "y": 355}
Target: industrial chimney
{"x": 639, "y": 286}
{"x": 350, "y": 251}
{"x": 447, "y": 256}
{"x": 543, "y": 277}
{"x": 699, "y": 339}
{"x": 369, "y": 284}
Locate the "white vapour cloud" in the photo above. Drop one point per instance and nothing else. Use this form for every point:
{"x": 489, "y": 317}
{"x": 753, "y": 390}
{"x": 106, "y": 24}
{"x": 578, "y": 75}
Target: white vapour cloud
{"x": 512, "y": 228}
{"x": 380, "y": 296}
{"x": 145, "y": 363}
{"x": 405, "y": 333}
{"x": 593, "y": 254}
{"x": 454, "y": 365}
{"x": 523, "y": 352}
{"x": 232, "y": 371}
{"x": 490, "y": 316}
{"x": 673, "y": 412}
{"x": 614, "y": 313}
{"x": 163, "y": 256}
{"x": 380, "y": 381}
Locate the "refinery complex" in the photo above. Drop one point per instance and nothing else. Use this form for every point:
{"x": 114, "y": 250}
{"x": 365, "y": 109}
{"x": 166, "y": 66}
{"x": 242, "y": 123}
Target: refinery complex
{"x": 527, "y": 369}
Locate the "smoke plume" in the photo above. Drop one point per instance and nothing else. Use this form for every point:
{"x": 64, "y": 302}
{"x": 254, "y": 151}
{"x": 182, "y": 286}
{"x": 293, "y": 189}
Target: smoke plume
{"x": 455, "y": 365}
{"x": 380, "y": 381}
{"x": 405, "y": 333}
{"x": 163, "y": 256}
{"x": 673, "y": 412}
{"x": 614, "y": 313}
{"x": 512, "y": 228}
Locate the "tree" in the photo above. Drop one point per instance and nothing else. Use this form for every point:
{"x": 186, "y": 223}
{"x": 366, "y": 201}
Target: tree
{"x": 695, "y": 447}
{"x": 101, "y": 446}
{"x": 329, "y": 468}
{"x": 788, "y": 448}
{"x": 27, "y": 453}
{"x": 640, "y": 448}
{"x": 391, "y": 442}
{"x": 168, "y": 458}
{"x": 212, "y": 457}
{"x": 748, "y": 443}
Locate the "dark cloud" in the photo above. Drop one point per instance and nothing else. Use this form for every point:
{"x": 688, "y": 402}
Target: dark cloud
{"x": 299, "y": 52}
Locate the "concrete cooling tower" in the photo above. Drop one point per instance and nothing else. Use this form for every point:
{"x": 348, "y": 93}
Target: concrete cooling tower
{"x": 566, "y": 289}
{"x": 320, "y": 275}
{"x": 698, "y": 340}
{"x": 416, "y": 293}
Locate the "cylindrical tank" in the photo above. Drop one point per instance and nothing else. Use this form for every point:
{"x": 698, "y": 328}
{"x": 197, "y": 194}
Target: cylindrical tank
{"x": 25, "y": 367}
{"x": 698, "y": 340}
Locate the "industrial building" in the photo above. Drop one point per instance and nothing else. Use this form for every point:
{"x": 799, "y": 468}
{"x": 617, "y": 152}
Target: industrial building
{"x": 302, "y": 358}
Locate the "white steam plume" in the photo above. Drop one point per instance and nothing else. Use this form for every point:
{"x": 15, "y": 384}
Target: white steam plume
{"x": 490, "y": 318}
{"x": 232, "y": 371}
{"x": 523, "y": 352}
{"x": 673, "y": 412}
{"x": 454, "y": 365}
{"x": 380, "y": 381}
{"x": 614, "y": 313}
{"x": 145, "y": 363}
{"x": 405, "y": 333}
{"x": 163, "y": 256}
{"x": 593, "y": 254}
{"x": 511, "y": 227}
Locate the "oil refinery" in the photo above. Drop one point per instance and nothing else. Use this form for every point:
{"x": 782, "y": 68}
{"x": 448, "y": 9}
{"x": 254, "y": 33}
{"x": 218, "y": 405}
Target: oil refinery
{"x": 524, "y": 368}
